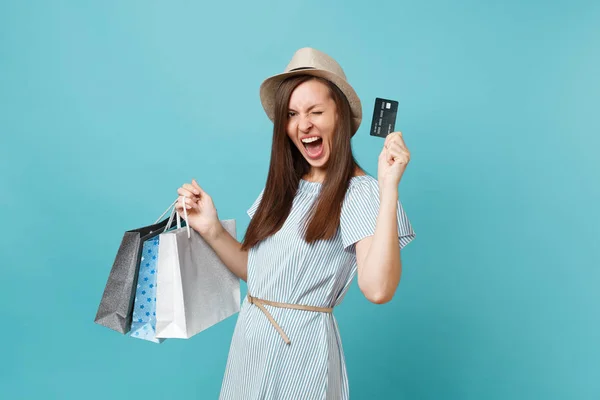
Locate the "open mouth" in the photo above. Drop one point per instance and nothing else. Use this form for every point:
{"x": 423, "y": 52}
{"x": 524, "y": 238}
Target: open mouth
{"x": 313, "y": 146}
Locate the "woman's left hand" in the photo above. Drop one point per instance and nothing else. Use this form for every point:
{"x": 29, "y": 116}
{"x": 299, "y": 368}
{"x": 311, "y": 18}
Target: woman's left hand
{"x": 393, "y": 160}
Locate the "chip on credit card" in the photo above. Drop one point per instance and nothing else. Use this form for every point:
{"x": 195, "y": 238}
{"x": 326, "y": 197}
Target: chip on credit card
{"x": 384, "y": 117}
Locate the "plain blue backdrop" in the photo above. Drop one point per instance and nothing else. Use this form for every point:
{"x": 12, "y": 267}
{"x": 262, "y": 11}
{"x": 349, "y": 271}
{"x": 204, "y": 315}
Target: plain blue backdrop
{"x": 108, "y": 107}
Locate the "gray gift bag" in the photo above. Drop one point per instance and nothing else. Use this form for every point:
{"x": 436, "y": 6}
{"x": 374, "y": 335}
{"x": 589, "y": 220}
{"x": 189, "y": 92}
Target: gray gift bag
{"x": 194, "y": 290}
{"x": 116, "y": 306}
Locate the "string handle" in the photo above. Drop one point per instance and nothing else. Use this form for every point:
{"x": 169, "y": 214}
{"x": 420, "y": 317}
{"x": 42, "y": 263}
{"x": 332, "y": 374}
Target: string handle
{"x": 166, "y": 211}
{"x": 187, "y": 225}
{"x": 173, "y": 213}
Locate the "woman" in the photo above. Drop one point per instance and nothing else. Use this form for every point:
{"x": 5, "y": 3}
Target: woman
{"x": 318, "y": 221}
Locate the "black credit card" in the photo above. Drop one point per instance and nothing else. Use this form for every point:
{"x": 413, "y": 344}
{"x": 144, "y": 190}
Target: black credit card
{"x": 384, "y": 117}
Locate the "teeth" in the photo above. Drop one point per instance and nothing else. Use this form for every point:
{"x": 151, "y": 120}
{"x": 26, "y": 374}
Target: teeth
{"x": 310, "y": 140}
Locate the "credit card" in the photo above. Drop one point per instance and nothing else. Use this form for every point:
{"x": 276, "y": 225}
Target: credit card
{"x": 384, "y": 117}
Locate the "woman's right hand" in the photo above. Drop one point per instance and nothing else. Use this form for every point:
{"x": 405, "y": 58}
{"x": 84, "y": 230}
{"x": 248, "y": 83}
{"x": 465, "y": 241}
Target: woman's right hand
{"x": 201, "y": 212}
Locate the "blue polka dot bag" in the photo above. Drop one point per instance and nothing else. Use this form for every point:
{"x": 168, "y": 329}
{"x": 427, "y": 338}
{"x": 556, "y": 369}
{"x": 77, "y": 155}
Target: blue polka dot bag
{"x": 143, "y": 324}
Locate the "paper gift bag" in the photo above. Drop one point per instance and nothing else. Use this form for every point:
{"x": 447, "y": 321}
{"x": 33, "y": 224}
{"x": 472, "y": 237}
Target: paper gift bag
{"x": 195, "y": 289}
{"x": 143, "y": 324}
{"x": 116, "y": 306}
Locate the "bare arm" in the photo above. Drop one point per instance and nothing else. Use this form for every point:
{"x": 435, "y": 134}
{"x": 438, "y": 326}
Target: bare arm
{"x": 378, "y": 256}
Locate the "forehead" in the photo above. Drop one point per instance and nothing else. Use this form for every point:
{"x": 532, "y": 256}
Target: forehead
{"x": 309, "y": 93}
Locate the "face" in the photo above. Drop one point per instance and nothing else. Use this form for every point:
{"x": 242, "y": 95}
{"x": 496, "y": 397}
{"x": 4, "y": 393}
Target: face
{"x": 311, "y": 122}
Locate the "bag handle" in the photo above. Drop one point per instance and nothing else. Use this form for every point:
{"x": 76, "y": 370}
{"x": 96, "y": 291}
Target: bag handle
{"x": 173, "y": 212}
{"x": 166, "y": 211}
{"x": 187, "y": 225}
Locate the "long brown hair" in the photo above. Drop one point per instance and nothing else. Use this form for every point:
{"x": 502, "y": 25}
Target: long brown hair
{"x": 288, "y": 166}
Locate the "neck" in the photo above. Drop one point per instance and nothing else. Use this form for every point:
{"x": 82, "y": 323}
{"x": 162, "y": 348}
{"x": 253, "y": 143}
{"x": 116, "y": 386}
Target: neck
{"x": 318, "y": 175}
{"x": 315, "y": 175}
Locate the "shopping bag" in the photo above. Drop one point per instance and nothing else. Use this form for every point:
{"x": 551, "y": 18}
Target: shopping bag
{"x": 116, "y": 306}
{"x": 143, "y": 324}
{"x": 195, "y": 290}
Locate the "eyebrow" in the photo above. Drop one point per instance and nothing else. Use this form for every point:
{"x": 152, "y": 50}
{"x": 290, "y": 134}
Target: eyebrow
{"x": 309, "y": 108}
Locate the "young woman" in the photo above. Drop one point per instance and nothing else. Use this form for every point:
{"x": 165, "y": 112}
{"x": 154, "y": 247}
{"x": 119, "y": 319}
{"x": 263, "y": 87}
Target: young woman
{"x": 318, "y": 221}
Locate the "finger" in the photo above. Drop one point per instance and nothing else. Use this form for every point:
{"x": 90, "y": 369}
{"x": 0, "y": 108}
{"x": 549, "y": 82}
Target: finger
{"x": 395, "y": 137}
{"x": 391, "y": 137}
{"x": 189, "y": 203}
{"x": 398, "y": 138}
{"x": 179, "y": 208}
{"x": 186, "y": 193}
{"x": 397, "y": 154}
{"x": 179, "y": 205}
{"x": 388, "y": 138}
{"x": 202, "y": 192}
{"x": 191, "y": 188}
{"x": 401, "y": 158}
{"x": 389, "y": 156}
{"x": 397, "y": 147}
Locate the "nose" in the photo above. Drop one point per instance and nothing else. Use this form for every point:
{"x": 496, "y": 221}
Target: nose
{"x": 305, "y": 124}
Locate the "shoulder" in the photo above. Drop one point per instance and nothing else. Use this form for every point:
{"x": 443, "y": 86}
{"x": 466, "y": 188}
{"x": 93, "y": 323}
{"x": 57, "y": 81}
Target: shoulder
{"x": 359, "y": 209}
{"x": 252, "y": 210}
{"x": 364, "y": 185}
{"x": 361, "y": 196}
{"x": 365, "y": 179}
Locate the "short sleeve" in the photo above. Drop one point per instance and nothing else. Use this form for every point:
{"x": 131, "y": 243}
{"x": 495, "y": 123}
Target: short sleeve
{"x": 359, "y": 215}
{"x": 255, "y": 205}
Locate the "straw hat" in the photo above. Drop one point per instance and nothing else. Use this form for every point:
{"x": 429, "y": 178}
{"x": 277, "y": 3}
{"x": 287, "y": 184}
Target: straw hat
{"x": 308, "y": 61}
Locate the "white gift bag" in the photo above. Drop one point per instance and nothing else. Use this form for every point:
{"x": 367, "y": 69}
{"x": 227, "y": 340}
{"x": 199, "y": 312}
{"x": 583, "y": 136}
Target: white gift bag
{"x": 194, "y": 289}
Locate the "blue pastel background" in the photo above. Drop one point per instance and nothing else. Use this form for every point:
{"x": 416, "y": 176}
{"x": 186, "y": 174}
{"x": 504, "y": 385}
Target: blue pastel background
{"x": 108, "y": 107}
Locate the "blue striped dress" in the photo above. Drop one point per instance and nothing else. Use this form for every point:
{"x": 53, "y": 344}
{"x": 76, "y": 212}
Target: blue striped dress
{"x": 284, "y": 268}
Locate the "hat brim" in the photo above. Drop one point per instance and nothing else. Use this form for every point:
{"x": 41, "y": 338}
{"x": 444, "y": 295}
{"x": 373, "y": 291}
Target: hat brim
{"x": 269, "y": 87}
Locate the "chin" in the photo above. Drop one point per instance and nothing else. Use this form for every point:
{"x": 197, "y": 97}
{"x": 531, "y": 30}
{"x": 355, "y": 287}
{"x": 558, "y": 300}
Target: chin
{"x": 320, "y": 163}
